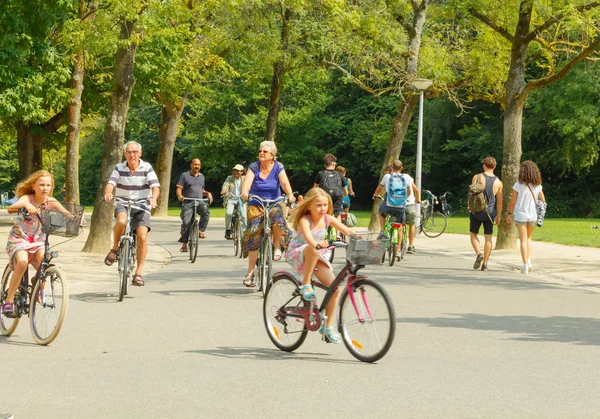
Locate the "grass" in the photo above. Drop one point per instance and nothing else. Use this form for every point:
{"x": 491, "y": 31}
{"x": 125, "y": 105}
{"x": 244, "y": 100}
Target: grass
{"x": 569, "y": 231}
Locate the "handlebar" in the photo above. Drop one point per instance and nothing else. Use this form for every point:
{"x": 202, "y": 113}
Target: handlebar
{"x": 195, "y": 199}
{"x": 265, "y": 202}
{"x": 333, "y": 244}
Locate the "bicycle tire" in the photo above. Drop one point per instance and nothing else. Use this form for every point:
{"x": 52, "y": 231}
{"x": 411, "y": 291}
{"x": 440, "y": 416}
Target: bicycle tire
{"x": 234, "y": 236}
{"x": 435, "y": 224}
{"x": 193, "y": 241}
{"x": 287, "y": 336}
{"x": 368, "y": 335}
{"x": 239, "y": 237}
{"x": 49, "y": 308}
{"x": 124, "y": 261}
{"x": 7, "y": 324}
{"x": 266, "y": 265}
{"x": 392, "y": 246}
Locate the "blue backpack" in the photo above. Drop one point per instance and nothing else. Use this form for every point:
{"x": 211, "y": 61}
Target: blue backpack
{"x": 397, "y": 191}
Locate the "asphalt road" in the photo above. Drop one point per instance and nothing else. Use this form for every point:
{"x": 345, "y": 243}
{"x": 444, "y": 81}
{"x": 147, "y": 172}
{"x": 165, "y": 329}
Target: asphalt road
{"x": 192, "y": 343}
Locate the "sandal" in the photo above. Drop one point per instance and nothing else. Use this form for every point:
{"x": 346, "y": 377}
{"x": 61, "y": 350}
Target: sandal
{"x": 183, "y": 249}
{"x": 137, "y": 280}
{"x": 111, "y": 257}
{"x": 249, "y": 280}
{"x": 277, "y": 254}
{"x": 8, "y": 309}
{"x": 202, "y": 235}
{"x": 329, "y": 334}
{"x": 308, "y": 293}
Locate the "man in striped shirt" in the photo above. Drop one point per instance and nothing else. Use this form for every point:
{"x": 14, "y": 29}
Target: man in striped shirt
{"x": 133, "y": 179}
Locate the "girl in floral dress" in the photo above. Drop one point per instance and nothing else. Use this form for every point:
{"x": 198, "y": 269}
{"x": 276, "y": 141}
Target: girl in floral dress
{"x": 26, "y": 240}
{"x": 308, "y": 253}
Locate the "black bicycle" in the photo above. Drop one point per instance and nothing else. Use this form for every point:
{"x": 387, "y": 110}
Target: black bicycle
{"x": 194, "y": 232}
{"x": 433, "y": 223}
{"x": 45, "y": 296}
{"x": 445, "y": 207}
{"x": 237, "y": 233}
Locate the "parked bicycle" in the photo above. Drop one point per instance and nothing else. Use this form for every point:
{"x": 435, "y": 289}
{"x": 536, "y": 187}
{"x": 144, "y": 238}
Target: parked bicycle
{"x": 194, "y": 232}
{"x": 433, "y": 223}
{"x": 444, "y": 205}
{"x": 366, "y": 319}
{"x": 264, "y": 263}
{"x": 45, "y": 296}
{"x": 398, "y": 238}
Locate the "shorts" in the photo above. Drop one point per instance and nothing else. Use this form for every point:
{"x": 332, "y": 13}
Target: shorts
{"x": 139, "y": 218}
{"x": 475, "y": 224}
{"x": 338, "y": 207}
{"x": 399, "y": 213}
{"x": 526, "y": 223}
{"x": 411, "y": 215}
{"x": 345, "y": 204}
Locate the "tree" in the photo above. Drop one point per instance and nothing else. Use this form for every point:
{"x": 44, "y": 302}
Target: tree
{"x": 546, "y": 42}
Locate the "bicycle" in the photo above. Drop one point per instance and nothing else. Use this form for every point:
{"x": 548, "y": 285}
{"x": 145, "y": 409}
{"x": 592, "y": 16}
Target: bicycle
{"x": 237, "y": 235}
{"x": 265, "y": 253}
{"x": 366, "y": 320}
{"x": 45, "y": 298}
{"x": 391, "y": 230}
{"x": 194, "y": 229}
{"x": 433, "y": 223}
{"x": 334, "y": 235}
{"x": 444, "y": 205}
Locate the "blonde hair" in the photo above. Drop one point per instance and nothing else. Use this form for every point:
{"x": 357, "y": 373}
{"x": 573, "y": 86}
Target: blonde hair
{"x": 26, "y": 186}
{"x": 304, "y": 208}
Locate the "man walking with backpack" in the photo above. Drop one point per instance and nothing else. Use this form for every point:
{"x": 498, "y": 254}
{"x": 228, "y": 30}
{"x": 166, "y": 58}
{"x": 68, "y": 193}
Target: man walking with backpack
{"x": 333, "y": 182}
{"x": 398, "y": 190}
{"x": 485, "y": 206}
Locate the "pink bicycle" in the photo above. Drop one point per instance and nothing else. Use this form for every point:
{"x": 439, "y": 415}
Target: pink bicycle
{"x": 366, "y": 318}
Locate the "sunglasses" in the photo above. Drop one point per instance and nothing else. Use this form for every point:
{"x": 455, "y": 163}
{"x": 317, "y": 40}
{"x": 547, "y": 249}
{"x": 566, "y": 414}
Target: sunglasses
{"x": 263, "y": 151}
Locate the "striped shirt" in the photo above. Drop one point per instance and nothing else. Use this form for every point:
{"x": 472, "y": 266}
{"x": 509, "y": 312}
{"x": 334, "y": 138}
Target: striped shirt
{"x": 134, "y": 186}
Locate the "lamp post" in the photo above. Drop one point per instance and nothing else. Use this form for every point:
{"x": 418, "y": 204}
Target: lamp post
{"x": 422, "y": 85}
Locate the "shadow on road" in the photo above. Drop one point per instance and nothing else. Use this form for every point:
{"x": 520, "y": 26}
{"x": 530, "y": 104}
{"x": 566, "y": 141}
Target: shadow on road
{"x": 218, "y": 292}
{"x": 264, "y": 354}
{"x": 575, "y": 330}
{"x": 95, "y": 297}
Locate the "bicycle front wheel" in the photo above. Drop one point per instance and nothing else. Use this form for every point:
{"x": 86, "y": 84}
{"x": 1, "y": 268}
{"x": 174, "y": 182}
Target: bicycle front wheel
{"x": 239, "y": 237}
{"x": 266, "y": 265}
{"x": 283, "y": 310}
{"x": 124, "y": 262}
{"x": 367, "y": 321}
{"x": 234, "y": 236}
{"x": 435, "y": 224}
{"x": 7, "y": 324}
{"x": 193, "y": 241}
{"x": 392, "y": 247}
{"x": 49, "y": 304}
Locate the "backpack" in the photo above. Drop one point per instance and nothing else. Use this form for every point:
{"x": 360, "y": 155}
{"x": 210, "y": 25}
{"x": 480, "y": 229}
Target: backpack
{"x": 397, "y": 191}
{"x": 476, "y": 197}
{"x": 331, "y": 182}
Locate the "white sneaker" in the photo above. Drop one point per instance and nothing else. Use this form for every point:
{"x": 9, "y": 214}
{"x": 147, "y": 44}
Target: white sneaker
{"x": 529, "y": 265}
{"x": 525, "y": 269}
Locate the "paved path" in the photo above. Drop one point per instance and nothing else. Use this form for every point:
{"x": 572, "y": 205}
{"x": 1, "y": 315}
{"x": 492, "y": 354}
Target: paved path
{"x": 191, "y": 343}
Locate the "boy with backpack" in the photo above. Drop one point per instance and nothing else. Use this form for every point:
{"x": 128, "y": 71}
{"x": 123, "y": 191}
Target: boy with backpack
{"x": 485, "y": 205}
{"x": 333, "y": 182}
{"x": 398, "y": 190}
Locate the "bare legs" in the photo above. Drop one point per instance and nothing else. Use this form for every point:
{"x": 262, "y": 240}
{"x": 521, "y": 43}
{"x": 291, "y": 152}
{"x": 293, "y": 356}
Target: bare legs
{"x": 325, "y": 276}
{"x": 142, "y": 248}
{"x": 525, "y": 233}
{"x": 21, "y": 262}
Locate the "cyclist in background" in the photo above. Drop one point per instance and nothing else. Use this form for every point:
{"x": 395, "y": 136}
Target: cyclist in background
{"x": 411, "y": 212}
{"x": 233, "y": 186}
{"x": 350, "y": 190}
{"x": 132, "y": 179}
{"x": 332, "y": 182}
{"x": 191, "y": 185}
{"x": 398, "y": 191}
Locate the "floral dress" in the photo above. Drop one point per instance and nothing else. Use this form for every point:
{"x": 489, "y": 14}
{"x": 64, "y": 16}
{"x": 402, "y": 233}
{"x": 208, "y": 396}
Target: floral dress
{"x": 295, "y": 252}
{"x": 26, "y": 234}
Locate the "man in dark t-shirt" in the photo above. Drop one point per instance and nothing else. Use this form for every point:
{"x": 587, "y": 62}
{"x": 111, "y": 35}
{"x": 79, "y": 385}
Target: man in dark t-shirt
{"x": 191, "y": 185}
{"x": 333, "y": 182}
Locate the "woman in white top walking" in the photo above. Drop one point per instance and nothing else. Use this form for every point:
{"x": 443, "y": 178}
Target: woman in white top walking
{"x": 525, "y": 193}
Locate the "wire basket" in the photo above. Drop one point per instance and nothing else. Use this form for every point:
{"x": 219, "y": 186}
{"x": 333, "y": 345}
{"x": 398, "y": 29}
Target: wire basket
{"x": 56, "y": 221}
{"x": 366, "y": 249}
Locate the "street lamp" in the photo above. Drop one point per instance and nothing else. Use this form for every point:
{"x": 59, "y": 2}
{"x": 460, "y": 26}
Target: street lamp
{"x": 422, "y": 85}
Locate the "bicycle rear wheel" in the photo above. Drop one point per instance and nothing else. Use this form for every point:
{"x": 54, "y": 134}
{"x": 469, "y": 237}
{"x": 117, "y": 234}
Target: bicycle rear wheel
{"x": 435, "y": 225}
{"x": 283, "y": 313}
{"x": 124, "y": 262}
{"x": 367, "y": 321}
{"x": 193, "y": 241}
{"x": 49, "y": 302}
{"x": 7, "y": 324}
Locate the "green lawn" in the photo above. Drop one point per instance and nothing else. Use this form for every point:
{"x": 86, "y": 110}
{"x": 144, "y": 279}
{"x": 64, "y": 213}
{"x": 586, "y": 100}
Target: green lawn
{"x": 570, "y": 231}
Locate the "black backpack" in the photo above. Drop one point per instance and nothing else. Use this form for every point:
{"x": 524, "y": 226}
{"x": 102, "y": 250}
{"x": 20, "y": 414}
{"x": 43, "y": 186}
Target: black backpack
{"x": 331, "y": 182}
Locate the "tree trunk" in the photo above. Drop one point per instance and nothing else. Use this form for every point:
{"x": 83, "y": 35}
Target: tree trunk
{"x": 277, "y": 80}
{"x": 123, "y": 81}
{"x": 394, "y": 147}
{"x": 167, "y": 134}
{"x": 406, "y": 108}
{"x": 74, "y": 115}
{"x": 30, "y": 141}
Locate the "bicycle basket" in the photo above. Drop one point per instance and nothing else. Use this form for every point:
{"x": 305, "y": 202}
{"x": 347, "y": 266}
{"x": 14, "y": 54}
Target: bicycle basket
{"x": 366, "y": 249}
{"x": 61, "y": 223}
